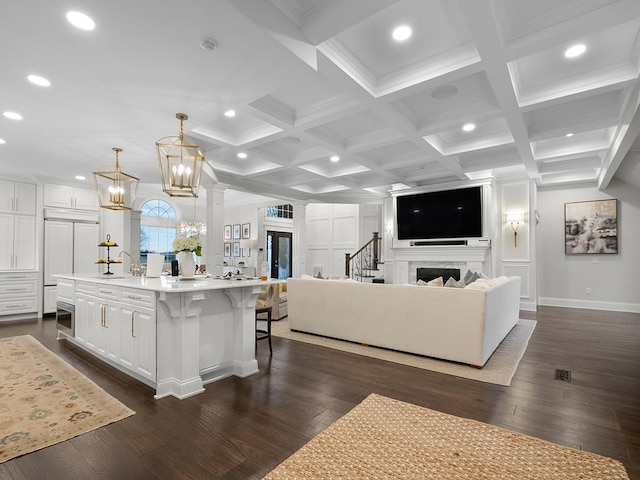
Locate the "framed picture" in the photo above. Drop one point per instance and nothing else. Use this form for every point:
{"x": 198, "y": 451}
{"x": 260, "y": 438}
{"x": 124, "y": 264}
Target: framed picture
{"x": 227, "y": 232}
{"x": 227, "y": 249}
{"x": 236, "y": 232}
{"x": 236, "y": 249}
{"x": 246, "y": 230}
{"x": 246, "y": 252}
{"x": 591, "y": 227}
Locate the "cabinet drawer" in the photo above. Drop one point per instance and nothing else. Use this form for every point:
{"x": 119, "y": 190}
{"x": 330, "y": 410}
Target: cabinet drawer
{"x": 19, "y": 305}
{"x": 18, "y": 277}
{"x": 143, "y": 298}
{"x": 21, "y": 288}
{"x": 65, "y": 290}
{"x": 84, "y": 287}
{"x": 106, "y": 291}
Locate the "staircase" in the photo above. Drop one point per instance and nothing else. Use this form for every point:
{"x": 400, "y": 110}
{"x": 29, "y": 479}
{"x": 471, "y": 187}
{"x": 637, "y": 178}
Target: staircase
{"x": 362, "y": 264}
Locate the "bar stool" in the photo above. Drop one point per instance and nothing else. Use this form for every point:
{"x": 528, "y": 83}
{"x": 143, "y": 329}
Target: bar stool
{"x": 261, "y": 334}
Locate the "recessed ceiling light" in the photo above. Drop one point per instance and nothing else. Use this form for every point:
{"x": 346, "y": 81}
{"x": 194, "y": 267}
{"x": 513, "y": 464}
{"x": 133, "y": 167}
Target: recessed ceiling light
{"x": 81, "y": 21}
{"x": 230, "y": 113}
{"x": 401, "y": 33}
{"x": 242, "y": 155}
{"x": 569, "y": 134}
{"x": 80, "y": 177}
{"x": 335, "y": 158}
{"x": 12, "y": 115}
{"x": 575, "y": 50}
{"x": 2, "y": 141}
{"x": 469, "y": 127}
{"x": 38, "y": 80}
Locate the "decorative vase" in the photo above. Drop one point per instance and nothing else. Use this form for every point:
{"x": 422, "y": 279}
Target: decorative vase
{"x": 187, "y": 264}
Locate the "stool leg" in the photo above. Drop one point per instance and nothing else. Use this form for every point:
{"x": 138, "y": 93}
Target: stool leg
{"x": 269, "y": 331}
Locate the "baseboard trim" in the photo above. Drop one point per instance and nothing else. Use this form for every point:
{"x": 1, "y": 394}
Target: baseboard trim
{"x": 528, "y": 306}
{"x": 589, "y": 304}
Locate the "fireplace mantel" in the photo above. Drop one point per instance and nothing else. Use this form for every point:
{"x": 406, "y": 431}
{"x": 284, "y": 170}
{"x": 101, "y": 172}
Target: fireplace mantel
{"x": 406, "y": 260}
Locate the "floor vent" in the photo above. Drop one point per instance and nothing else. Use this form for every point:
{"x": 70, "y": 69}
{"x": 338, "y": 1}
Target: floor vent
{"x": 563, "y": 375}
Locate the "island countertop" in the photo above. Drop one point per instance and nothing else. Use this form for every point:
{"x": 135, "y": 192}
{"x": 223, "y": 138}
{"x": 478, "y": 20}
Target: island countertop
{"x": 168, "y": 283}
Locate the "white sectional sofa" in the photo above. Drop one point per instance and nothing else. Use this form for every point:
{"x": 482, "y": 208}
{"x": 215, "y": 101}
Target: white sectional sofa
{"x": 460, "y": 324}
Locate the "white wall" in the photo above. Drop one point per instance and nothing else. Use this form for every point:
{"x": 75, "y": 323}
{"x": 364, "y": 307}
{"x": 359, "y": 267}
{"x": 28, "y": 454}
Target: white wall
{"x": 332, "y": 231}
{"x": 613, "y": 278}
{"x": 239, "y": 215}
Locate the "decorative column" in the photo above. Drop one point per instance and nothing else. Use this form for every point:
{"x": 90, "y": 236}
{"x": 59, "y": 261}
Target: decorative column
{"x": 299, "y": 238}
{"x": 243, "y": 303}
{"x": 178, "y": 344}
{"x": 214, "y": 242}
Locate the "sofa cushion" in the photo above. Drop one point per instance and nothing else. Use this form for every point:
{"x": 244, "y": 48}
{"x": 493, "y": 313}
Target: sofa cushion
{"x": 453, "y": 283}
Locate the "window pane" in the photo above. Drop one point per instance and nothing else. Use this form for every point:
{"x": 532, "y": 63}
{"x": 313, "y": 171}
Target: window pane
{"x": 157, "y": 240}
{"x": 158, "y": 208}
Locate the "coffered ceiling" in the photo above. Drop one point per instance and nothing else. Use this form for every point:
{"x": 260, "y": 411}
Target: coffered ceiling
{"x": 313, "y": 79}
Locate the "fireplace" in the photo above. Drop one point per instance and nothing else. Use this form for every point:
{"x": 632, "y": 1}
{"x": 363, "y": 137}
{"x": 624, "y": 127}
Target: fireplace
{"x": 427, "y": 274}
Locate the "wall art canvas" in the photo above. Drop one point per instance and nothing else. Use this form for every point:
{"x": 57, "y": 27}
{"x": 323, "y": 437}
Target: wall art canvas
{"x": 591, "y": 227}
{"x": 227, "y": 232}
{"x": 227, "y": 249}
{"x": 246, "y": 230}
{"x": 236, "y": 232}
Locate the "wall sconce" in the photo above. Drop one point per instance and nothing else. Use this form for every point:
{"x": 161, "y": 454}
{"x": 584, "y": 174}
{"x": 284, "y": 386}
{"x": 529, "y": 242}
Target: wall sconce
{"x": 514, "y": 219}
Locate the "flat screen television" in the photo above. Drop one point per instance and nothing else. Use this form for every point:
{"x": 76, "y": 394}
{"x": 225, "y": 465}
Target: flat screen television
{"x": 440, "y": 215}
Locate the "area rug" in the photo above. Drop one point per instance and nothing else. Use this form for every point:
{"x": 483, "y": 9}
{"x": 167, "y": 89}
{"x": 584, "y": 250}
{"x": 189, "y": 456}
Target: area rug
{"x": 43, "y": 400}
{"x": 500, "y": 368}
{"x": 386, "y": 438}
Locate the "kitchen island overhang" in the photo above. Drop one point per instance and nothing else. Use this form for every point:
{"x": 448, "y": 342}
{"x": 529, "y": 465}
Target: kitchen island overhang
{"x": 175, "y": 335}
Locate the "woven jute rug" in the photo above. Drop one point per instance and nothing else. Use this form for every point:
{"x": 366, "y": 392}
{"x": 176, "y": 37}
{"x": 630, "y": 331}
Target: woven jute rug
{"x": 499, "y": 369}
{"x": 43, "y": 400}
{"x": 384, "y": 438}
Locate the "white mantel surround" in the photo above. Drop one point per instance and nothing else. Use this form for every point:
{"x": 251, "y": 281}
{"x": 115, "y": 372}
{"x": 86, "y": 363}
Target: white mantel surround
{"x": 406, "y": 260}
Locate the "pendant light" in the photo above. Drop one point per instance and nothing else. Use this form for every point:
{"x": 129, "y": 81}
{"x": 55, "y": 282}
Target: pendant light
{"x": 180, "y": 164}
{"x": 116, "y": 189}
{"x": 192, "y": 228}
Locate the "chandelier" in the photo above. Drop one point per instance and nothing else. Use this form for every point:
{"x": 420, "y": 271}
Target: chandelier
{"x": 180, "y": 164}
{"x": 191, "y": 228}
{"x": 116, "y": 189}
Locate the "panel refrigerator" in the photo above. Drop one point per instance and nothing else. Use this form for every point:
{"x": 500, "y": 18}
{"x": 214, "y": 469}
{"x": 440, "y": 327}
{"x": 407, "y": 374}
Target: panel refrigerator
{"x": 70, "y": 246}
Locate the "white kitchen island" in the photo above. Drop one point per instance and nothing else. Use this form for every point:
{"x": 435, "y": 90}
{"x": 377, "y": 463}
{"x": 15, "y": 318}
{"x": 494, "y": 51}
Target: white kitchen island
{"x": 173, "y": 334}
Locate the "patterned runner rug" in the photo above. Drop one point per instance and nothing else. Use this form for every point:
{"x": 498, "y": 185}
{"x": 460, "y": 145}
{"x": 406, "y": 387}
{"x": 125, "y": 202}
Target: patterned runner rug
{"x": 386, "y": 438}
{"x": 43, "y": 400}
{"x": 499, "y": 369}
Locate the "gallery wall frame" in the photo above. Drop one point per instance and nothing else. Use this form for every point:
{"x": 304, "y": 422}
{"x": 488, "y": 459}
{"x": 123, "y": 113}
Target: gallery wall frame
{"x": 236, "y": 249}
{"x": 591, "y": 227}
{"x": 246, "y": 230}
{"x": 236, "y": 231}
{"x": 227, "y": 232}
{"x": 227, "y": 249}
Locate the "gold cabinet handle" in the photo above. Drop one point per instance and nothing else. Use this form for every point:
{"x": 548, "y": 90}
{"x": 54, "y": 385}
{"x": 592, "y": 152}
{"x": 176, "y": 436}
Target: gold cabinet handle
{"x": 133, "y": 319}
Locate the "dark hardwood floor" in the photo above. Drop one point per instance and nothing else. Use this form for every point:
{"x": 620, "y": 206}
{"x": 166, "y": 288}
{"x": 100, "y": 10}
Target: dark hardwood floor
{"x": 243, "y": 428}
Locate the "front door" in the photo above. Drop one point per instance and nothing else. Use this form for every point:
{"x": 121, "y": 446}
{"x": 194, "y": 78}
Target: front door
{"x": 279, "y": 254}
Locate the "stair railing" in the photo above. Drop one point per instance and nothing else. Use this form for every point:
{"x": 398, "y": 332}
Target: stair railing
{"x": 365, "y": 260}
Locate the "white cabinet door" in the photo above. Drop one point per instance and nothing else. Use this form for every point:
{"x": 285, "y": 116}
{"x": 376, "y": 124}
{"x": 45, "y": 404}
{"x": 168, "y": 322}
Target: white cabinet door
{"x": 138, "y": 340}
{"x": 6, "y": 196}
{"x": 112, "y": 336}
{"x": 24, "y": 198}
{"x": 85, "y": 199}
{"x": 6, "y": 241}
{"x": 50, "y": 299}
{"x": 24, "y": 243}
{"x": 58, "y": 249}
{"x": 85, "y": 319}
{"x": 58, "y": 196}
{"x": 86, "y": 237}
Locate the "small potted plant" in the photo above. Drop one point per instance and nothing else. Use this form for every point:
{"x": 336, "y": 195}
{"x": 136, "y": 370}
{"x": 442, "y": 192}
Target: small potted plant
{"x": 241, "y": 264}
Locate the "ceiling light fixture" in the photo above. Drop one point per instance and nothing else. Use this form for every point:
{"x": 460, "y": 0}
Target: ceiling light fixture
{"x": 12, "y": 115}
{"x": 469, "y": 127}
{"x": 401, "y": 33}
{"x": 180, "y": 164}
{"x": 116, "y": 186}
{"x": 575, "y": 50}
{"x": 191, "y": 228}
{"x": 80, "y": 20}
{"x": 569, "y": 135}
{"x": 80, "y": 177}
{"x": 38, "y": 80}
{"x": 230, "y": 113}
{"x": 242, "y": 155}
{"x": 2, "y": 141}
{"x": 208, "y": 43}
{"x": 335, "y": 158}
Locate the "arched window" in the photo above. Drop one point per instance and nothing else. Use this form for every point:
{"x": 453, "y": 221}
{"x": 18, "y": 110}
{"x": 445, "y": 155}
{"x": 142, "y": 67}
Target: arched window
{"x": 157, "y": 230}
